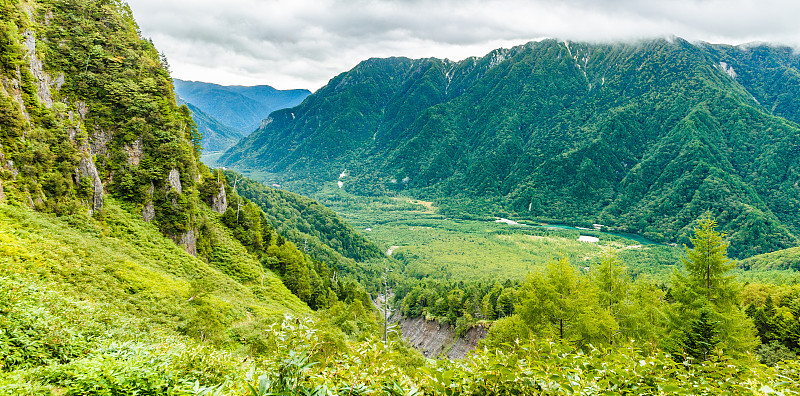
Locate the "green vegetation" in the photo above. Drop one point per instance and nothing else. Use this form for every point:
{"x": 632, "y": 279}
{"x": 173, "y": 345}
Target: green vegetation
{"x": 96, "y": 112}
{"x": 433, "y": 245}
{"x": 125, "y": 262}
{"x": 699, "y": 316}
{"x": 307, "y": 222}
{"x": 126, "y": 267}
{"x": 640, "y": 137}
{"x": 780, "y": 260}
{"x": 298, "y": 358}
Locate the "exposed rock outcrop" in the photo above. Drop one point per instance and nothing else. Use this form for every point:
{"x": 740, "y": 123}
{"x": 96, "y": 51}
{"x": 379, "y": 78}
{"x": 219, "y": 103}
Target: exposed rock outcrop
{"x": 7, "y": 164}
{"x": 81, "y": 109}
{"x": 188, "y": 240}
{"x": 12, "y": 88}
{"x": 2, "y": 193}
{"x": 30, "y": 200}
{"x": 219, "y": 202}
{"x": 134, "y": 152}
{"x": 87, "y": 173}
{"x": 43, "y": 80}
{"x": 99, "y": 142}
{"x": 149, "y": 212}
{"x": 435, "y": 339}
{"x": 174, "y": 181}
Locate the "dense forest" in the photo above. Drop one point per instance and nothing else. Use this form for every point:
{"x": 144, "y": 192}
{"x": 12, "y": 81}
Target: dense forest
{"x": 639, "y": 137}
{"x": 129, "y": 267}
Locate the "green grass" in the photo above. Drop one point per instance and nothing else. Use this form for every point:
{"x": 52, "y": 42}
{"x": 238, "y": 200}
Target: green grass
{"x": 430, "y": 244}
{"x": 126, "y": 263}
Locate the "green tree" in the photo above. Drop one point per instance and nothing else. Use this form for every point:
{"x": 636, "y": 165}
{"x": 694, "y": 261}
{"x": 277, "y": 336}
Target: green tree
{"x": 613, "y": 286}
{"x": 560, "y": 303}
{"x": 707, "y": 262}
{"x": 702, "y": 337}
{"x": 705, "y": 287}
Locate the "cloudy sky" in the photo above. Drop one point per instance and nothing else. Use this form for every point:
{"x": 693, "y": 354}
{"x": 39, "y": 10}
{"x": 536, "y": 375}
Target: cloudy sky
{"x": 304, "y": 43}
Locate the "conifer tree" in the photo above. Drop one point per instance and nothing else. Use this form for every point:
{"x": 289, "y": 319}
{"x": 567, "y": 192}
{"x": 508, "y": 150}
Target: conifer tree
{"x": 707, "y": 262}
{"x": 705, "y": 288}
{"x": 560, "y": 303}
{"x": 702, "y": 337}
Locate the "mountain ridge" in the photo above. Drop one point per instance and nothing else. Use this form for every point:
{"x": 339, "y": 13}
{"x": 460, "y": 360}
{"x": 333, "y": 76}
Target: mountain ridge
{"x": 639, "y": 137}
{"x": 216, "y": 135}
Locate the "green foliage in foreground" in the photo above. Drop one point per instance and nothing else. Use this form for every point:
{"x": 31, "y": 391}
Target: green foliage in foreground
{"x": 80, "y": 318}
{"x": 299, "y": 359}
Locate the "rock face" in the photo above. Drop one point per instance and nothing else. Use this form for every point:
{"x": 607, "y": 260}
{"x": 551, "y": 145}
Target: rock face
{"x": 43, "y": 81}
{"x": 435, "y": 339}
{"x": 99, "y": 142}
{"x": 188, "y": 241}
{"x": 174, "y": 181}
{"x": 87, "y": 173}
{"x": 219, "y": 202}
{"x": 149, "y": 212}
{"x": 2, "y": 193}
{"x": 134, "y": 152}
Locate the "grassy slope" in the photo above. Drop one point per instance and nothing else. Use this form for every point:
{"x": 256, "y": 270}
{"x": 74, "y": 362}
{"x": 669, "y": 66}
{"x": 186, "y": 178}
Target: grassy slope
{"x": 127, "y": 264}
{"x": 781, "y": 260}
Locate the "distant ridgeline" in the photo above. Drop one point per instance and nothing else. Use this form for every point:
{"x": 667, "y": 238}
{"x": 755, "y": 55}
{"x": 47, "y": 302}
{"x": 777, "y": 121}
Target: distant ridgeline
{"x": 225, "y": 114}
{"x": 640, "y": 137}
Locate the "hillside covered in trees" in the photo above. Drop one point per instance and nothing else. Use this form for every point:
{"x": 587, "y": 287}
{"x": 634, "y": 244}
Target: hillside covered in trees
{"x": 640, "y": 137}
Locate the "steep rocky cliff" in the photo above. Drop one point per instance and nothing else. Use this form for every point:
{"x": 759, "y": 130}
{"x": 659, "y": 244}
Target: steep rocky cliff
{"x": 87, "y": 108}
{"x": 434, "y": 339}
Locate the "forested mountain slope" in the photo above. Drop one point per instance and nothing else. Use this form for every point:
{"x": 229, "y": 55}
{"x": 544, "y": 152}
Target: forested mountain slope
{"x": 103, "y": 200}
{"x": 306, "y": 222}
{"x": 128, "y": 267}
{"x": 640, "y": 137}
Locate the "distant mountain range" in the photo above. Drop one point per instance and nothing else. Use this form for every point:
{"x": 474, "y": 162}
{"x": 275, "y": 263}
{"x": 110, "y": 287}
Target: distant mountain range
{"x": 227, "y": 113}
{"x": 640, "y": 137}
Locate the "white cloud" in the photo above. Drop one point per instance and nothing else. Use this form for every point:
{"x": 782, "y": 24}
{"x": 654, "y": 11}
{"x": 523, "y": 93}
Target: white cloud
{"x": 304, "y": 43}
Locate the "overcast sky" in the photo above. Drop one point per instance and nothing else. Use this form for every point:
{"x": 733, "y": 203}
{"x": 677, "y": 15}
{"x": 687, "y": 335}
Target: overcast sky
{"x": 304, "y": 43}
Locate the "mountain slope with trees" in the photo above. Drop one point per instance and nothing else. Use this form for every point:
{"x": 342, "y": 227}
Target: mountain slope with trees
{"x": 105, "y": 207}
{"x": 126, "y": 267}
{"x": 640, "y": 137}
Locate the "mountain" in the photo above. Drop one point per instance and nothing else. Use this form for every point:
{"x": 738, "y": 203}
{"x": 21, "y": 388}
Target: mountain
{"x": 639, "y": 137}
{"x": 216, "y": 135}
{"x": 781, "y": 260}
{"x": 129, "y": 267}
{"x": 238, "y": 107}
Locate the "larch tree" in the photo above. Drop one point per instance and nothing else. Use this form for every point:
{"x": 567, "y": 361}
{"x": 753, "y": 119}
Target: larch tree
{"x": 705, "y": 286}
{"x": 563, "y": 304}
